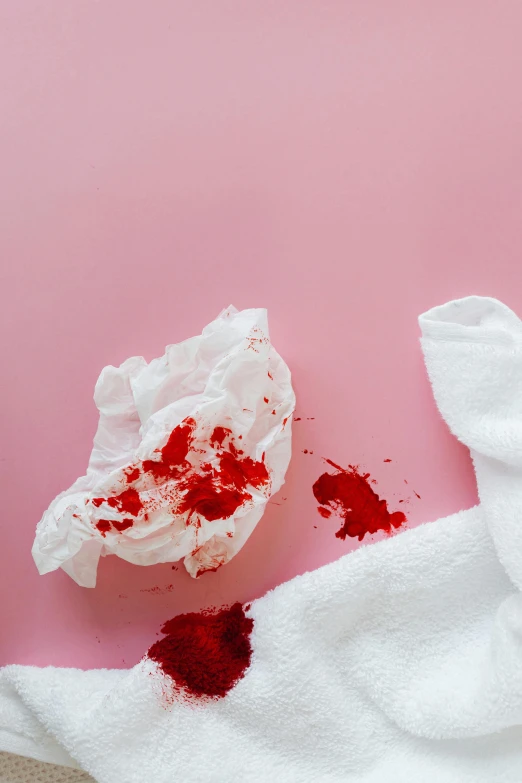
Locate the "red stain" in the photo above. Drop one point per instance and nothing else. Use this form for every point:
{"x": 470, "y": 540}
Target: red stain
{"x": 297, "y": 418}
{"x": 214, "y": 489}
{"x": 387, "y": 460}
{"x": 174, "y": 452}
{"x": 103, "y": 526}
{"x": 123, "y": 524}
{"x": 285, "y": 420}
{"x": 350, "y": 494}
{"x": 218, "y": 436}
{"x": 128, "y": 502}
{"x": 324, "y": 512}
{"x": 305, "y": 451}
{"x": 265, "y": 399}
{"x": 273, "y": 413}
{"x": 133, "y": 475}
{"x": 270, "y": 376}
{"x": 417, "y": 495}
{"x": 205, "y": 653}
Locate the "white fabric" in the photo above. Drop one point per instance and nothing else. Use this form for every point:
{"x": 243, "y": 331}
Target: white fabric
{"x": 400, "y": 662}
{"x": 230, "y": 374}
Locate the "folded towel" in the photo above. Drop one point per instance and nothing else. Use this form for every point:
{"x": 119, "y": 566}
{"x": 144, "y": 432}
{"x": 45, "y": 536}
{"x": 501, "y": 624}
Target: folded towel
{"x": 399, "y": 662}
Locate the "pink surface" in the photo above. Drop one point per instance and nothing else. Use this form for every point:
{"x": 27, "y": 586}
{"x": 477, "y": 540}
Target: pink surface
{"x": 345, "y": 164}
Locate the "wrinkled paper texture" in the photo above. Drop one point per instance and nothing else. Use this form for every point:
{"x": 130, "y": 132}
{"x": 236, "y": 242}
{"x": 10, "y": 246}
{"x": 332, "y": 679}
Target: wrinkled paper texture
{"x": 229, "y": 378}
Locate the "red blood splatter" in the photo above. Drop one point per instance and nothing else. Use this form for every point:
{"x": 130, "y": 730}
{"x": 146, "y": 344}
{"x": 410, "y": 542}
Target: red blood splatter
{"x": 218, "y": 436}
{"x": 324, "y": 512}
{"x": 265, "y": 399}
{"x": 103, "y": 526}
{"x": 270, "y": 376}
{"x": 123, "y": 524}
{"x": 240, "y": 437}
{"x": 205, "y": 653}
{"x": 273, "y": 413}
{"x": 132, "y": 475}
{"x": 285, "y": 420}
{"x": 297, "y": 418}
{"x": 305, "y": 451}
{"x": 212, "y": 490}
{"x": 387, "y": 460}
{"x": 416, "y": 494}
{"x": 174, "y": 452}
{"x": 128, "y": 502}
{"x": 310, "y": 418}
{"x": 350, "y": 494}
{"x": 218, "y": 494}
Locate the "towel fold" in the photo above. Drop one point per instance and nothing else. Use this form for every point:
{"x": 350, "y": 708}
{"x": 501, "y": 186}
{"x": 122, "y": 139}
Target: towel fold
{"x": 399, "y": 662}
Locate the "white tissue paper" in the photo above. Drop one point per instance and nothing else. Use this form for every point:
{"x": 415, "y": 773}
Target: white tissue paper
{"x": 188, "y": 451}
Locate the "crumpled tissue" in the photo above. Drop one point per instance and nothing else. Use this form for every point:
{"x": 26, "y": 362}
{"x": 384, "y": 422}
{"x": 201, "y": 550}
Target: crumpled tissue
{"x": 188, "y": 451}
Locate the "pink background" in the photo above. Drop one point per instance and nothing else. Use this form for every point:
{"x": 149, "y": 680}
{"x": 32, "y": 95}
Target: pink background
{"x": 345, "y": 164}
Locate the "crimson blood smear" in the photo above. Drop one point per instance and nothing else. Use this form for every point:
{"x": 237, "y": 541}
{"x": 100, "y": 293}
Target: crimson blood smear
{"x": 129, "y": 502}
{"x": 103, "y": 526}
{"x": 205, "y": 653}
{"x": 213, "y": 491}
{"x": 350, "y": 494}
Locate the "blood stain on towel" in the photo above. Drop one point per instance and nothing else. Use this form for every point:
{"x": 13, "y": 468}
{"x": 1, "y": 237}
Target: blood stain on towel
{"x": 349, "y": 493}
{"x": 205, "y": 653}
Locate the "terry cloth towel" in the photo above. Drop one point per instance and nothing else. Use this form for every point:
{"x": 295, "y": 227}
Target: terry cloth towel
{"x": 399, "y": 662}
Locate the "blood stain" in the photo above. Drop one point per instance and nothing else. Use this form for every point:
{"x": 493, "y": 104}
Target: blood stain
{"x": 123, "y": 524}
{"x": 218, "y": 436}
{"x": 265, "y": 399}
{"x": 351, "y": 496}
{"x": 387, "y": 460}
{"x": 205, "y": 653}
{"x": 133, "y": 475}
{"x": 104, "y": 526}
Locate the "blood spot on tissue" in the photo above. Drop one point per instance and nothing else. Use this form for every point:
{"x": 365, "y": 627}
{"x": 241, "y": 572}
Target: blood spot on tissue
{"x": 270, "y": 376}
{"x": 297, "y": 418}
{"x": 218, "y": 436}
{"x": 174, "y": 452}
{"x": 205, "y": 654}
{"x": 103, "y": 526}
{"x": 324, "y": 512}
{"x": 123, "y": 524}
{"x": 133, "y": 475}
{"x": 265, "y": 399}
{"x": 351, "y": 496}
{"x": 128, "y": 502}
{"x": 218, "y": 493}
{"x": 211, "y": 488}
{"x": 416, "y": 494}
{"x": 387, "y": 460}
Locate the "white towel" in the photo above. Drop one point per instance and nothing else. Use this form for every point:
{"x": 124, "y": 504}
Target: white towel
{"x": 400, "y": 662}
